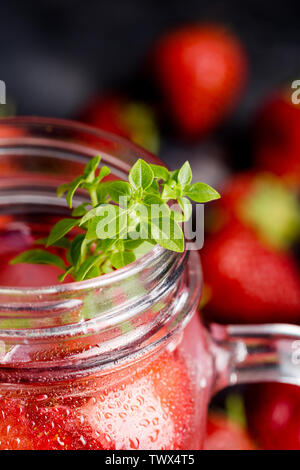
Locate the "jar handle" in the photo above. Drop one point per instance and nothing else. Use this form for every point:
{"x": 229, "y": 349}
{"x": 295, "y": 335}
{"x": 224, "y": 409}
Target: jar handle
{"x": 256, "y": 353}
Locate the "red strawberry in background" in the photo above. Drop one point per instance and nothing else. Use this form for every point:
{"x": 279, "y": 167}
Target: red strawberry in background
{"x": 264, "y": 203}
{"x": 250, "y": 274}
{"x": 223, "y": 433}
{"x": 201, "y": 70}
{"x": 276, "y": 134}
{"x": 248, "y": 281}
{"x": 133, "y": 120}
{"x": 274, "y": 415}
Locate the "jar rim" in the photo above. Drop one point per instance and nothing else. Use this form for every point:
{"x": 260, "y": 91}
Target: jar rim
{"x": 94, "y": 283}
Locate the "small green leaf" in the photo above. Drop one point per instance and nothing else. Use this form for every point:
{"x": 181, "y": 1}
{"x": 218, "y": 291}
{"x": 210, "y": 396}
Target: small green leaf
{"x": 143, "y": 249}
{"x": 153, "y": 188}
{"x": 119, "y": 189}
{"x": 107, "y": 244}
{"x": 77, "y": 249}
{"x": 93, "y": 272}
{"x": 167, "y": 233}
{"x": 61, "y": 243}
{"x": 201, "y": 192}
{"x": 185, "y": 174}
{"x": 186, "y": 208}
{"x": 104, "y": 171}
{"x": 107, "y": 267}
{"x": 87, "y": 265}
{"x": 63, "y": 276}
{"x": 150, "y": 199}
{"x": 60, "y": 230}
{"x": 108, "y": 222}
{"x": 62, "y": 189}
{"x": 141, "y": 175}
{"x": 169, "y": 192}
{"x": 132, "y": 244}
{"x": 174, "y": 175}
{"x": 37, "y": 256}
{"x": 156, "y": 206}
{"x": 121, "y": 259}
{"x": 72, "y": 189}
{"x": 102, "y": 192}
{"x": 160, "y": 172}
{"x": 80, "y": 210}
{"x": 89, "y": 171}
{"x": 94, "y": 183}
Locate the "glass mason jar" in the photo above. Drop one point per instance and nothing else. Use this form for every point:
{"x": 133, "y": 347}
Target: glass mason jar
{"x": 122, "y": 361}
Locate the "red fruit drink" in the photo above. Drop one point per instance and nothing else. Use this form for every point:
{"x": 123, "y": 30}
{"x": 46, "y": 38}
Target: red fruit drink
{"x": 116, "y": 362}
{"x": 156, "y": 402}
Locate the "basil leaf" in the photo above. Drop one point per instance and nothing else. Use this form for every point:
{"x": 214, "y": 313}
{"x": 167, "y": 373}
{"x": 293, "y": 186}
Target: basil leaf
{"x": 107, "y": 244}
{"x": 108, "y": 223}
{"x": 73, "y": 186}
{"x": 121, "y": 259}
{"x": 174, "y": 175}
{"x": 80, "y": 210}
{"x": 169, "y": 192}
{"x": 89, "y": 171}
{"x": 62, "y": 243}
{"x": 119, "y": 189}
{"x": 62, "y": 189}
{"x": 153, "y": 188}
{"x": 132, "y": 244}
{"x": 156, "y": 207}
{"x": 102, "y": 191}
{"x": 201, "y": 192}
{"x": 141, "y": 175}
{"x": 186, "y": 207}
{"x": 143, "y": 249}
{"x": 160, "y": 172}
{"x": 77, "y": 249}
{"x": 87, "y": 265}
{"x": 185, "y": 174}
{"x": 60, "y": 230}
{"x": 167, "y": 233}
{"x": 93, "y": 272}
{"x": 104, "y": 171}
{"x": 63, "y": 276}
{"x": 37, "y": 256}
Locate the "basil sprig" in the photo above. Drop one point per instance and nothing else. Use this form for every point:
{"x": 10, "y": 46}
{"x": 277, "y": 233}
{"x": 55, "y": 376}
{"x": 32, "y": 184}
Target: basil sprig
{"x": 118, "y": 224}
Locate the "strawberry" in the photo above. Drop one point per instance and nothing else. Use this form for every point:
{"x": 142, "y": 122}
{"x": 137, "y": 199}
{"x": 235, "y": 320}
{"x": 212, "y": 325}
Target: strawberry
{"x": 201, "y": 70}
{"x": 249, "y": 281}
{"x": 274, "y": 415}
{"x": 133, "y": 120}
{"x": 264, "y": 203}
{"x": 276, "y": 134}
{"x": 224, "y": 434}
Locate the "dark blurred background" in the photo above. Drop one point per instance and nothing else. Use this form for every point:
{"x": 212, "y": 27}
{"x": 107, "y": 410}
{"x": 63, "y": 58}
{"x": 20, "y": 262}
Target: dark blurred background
{"x": 55, "y": 54}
